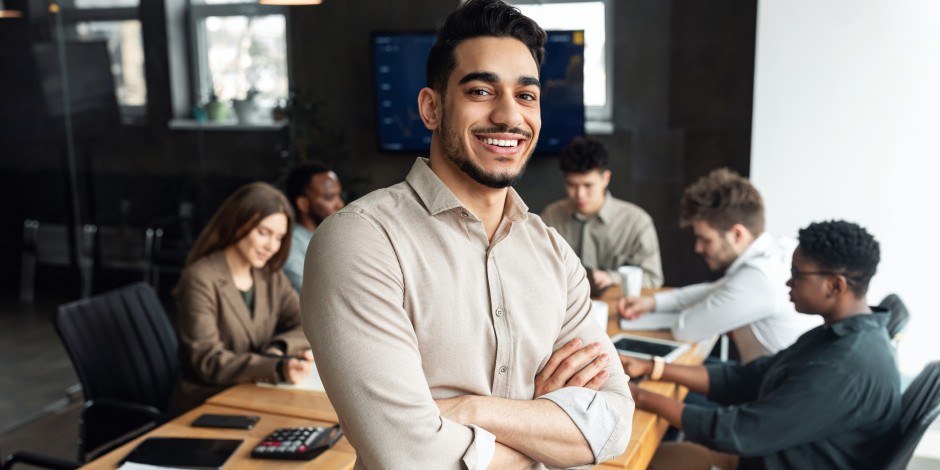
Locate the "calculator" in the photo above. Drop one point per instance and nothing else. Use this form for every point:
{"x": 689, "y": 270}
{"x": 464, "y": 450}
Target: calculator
{"x": 297, "y": 443}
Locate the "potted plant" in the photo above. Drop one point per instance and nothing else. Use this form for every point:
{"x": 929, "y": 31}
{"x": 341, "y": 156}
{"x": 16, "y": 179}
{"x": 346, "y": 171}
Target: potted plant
{"x": 216, "y": 110}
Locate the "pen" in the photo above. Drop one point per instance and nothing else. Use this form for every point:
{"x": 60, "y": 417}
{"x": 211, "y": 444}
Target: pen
{"x": 284, "y": 356}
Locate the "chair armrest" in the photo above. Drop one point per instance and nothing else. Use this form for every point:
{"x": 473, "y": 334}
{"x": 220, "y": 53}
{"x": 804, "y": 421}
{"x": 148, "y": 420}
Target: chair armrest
{"x": 152, "y": 413}
{"x": 107, "y": 423}
{"x": 38, "y": 460}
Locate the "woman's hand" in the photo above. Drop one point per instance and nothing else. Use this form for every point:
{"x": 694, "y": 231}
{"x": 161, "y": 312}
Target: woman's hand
{"x": 296, "y": 370}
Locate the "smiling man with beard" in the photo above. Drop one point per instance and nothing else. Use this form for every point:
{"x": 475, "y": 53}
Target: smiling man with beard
{"x": 451, "y": 326}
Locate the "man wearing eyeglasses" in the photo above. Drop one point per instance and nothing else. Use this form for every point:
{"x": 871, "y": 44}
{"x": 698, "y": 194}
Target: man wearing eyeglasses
{"x": 831, "y": 400}
{"x": 750, "y": 301}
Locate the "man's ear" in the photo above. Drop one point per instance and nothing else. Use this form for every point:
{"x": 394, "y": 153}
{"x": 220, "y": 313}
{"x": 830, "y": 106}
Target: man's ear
{"x": 837, "y": 285}
{"x": 303, "y": 204}
{"x": 739, "y": 233}
{"x": 430, "y": 108}
{"x": 605, "y": 176}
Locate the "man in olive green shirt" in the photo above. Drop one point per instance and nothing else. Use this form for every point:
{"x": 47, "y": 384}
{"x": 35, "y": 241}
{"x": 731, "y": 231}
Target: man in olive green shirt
{"x": 605, "y": 232}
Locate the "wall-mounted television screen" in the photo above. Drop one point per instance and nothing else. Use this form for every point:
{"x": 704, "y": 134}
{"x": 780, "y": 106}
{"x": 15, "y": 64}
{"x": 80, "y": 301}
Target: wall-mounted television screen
{"x": 399, "y": 62}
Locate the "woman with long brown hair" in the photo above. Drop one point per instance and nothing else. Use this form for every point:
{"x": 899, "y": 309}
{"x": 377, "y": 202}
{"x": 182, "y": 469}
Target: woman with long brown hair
{"x": 238, "y": 316}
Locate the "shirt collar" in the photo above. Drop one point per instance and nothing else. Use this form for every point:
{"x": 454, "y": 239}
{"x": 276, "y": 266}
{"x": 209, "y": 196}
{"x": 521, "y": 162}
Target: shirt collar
{"x": 758, "y": 246}
{"x": 878, "y": 318}
{"x": 438, "y": 198}
{"x": 604, "y": 215}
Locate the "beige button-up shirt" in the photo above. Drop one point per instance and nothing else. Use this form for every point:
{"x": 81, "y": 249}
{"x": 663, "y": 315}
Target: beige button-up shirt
{"x": 621, "y": 234}
{"x": 405, "y": 301}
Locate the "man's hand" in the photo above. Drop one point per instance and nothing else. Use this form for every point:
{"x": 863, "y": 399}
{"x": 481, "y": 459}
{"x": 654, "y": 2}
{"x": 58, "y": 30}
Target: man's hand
{"x": 634, "y": 367}
{"x": 602, "y": 279}
{"x": 573, "y": 366}
{"x": 633, "y": 307}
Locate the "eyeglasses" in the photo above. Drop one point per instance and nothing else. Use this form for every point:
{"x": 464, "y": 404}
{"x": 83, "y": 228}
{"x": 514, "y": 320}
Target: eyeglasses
{"x": 796, "y": 274}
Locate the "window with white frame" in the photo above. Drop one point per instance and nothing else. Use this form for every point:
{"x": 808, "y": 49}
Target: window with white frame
{"x": 240, "y": 52}
{"x": 594, "y": 17}
{"x": 116, "y": 22}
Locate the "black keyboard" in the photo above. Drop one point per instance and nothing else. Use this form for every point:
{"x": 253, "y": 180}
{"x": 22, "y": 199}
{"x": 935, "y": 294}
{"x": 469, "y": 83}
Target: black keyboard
{"x": 297, "y": 443}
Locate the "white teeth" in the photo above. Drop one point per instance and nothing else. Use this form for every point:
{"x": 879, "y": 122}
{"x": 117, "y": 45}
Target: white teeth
{"x": 500, "y": 143}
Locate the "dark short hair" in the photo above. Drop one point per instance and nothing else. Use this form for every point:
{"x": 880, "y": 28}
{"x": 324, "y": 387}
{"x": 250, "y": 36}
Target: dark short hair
{"x": 582, "y": 155}
{"x": 298, "y": 179}
{"x": 479, "y": 18}
{"x": 844, "y": 247}
{"x": 723, "y": 198}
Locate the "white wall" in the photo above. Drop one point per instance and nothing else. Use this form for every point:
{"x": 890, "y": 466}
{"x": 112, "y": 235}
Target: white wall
{"x": 847, "y": 125}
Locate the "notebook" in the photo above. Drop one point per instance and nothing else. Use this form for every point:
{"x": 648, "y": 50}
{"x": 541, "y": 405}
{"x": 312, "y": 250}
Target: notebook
{"x": 311, "y": 382}
{"x": 651, "y": 321}
{"x": 180, "y": 452}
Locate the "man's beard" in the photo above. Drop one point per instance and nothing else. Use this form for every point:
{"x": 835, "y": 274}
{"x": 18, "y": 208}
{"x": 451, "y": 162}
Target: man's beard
{"x": 451, "y": 143}
{"x": 725, "y": 257}
{"x": 316, "y": 219}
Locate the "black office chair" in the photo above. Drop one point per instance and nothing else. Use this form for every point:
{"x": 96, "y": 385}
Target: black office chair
{"x": 920, "y": 406}
{"x": 36, "y": 460}
{"x": 899, "y": 315}
{"x": 124, "y": 350}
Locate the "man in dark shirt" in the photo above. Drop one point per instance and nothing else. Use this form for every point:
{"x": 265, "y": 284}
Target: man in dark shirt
{"x": 831, "y": 400}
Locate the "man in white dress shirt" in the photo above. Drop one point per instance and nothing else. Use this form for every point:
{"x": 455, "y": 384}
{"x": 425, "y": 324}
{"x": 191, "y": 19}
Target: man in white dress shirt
{"x": 750, "y": 302}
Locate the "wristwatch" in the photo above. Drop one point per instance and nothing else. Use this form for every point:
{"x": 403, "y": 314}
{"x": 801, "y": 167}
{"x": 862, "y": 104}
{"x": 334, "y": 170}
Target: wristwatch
{"x": 658, "y": 365}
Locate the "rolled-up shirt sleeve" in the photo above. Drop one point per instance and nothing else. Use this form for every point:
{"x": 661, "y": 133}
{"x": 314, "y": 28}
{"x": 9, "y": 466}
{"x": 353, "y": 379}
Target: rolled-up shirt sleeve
{"x": 368, "y": 356}
{"x": 600, "y": 422}
{"x": 605, "y": 417}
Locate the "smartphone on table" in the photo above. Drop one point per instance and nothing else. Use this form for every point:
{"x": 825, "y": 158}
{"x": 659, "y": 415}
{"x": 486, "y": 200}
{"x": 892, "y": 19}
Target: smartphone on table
{"x": 209, "y": 420}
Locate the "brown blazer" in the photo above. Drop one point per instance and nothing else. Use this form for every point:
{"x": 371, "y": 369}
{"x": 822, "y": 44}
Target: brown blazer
{"x": 220, "y": 341}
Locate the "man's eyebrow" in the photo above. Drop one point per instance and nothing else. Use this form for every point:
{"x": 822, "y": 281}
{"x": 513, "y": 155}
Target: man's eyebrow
{"x": 492, "y": 78}
{"x": 527, "y": 81}
{"x": 488, "y": 77}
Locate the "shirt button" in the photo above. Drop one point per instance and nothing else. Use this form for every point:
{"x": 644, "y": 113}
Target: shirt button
{"x": 502, "y": 370}
{"x": 499, "y": 312}
{"x": 464, "y": 214}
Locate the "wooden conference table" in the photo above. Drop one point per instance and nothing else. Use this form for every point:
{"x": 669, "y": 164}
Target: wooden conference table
{"x": 648, "y": 428}
{"x": 284, "y": 407}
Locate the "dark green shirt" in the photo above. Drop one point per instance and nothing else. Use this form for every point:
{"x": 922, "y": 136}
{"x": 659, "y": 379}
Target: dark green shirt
{"x": 831, "y": 400}
{"x": 249, "y": 296}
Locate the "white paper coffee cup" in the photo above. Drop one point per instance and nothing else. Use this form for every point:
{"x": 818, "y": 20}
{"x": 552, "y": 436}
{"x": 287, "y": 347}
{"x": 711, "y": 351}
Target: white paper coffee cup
{"x": 631, "y": 280}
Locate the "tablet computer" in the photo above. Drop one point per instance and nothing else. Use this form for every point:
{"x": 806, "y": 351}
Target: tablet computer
{"x": 183, "y": 452}
{"x": 644, "y": 348}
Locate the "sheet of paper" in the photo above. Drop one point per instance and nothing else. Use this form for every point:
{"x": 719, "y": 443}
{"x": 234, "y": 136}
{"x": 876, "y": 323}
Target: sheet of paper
{"x": 312, "y": 382}
{"x": 651, "y": 321}
{"x": 143, "y": 466}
